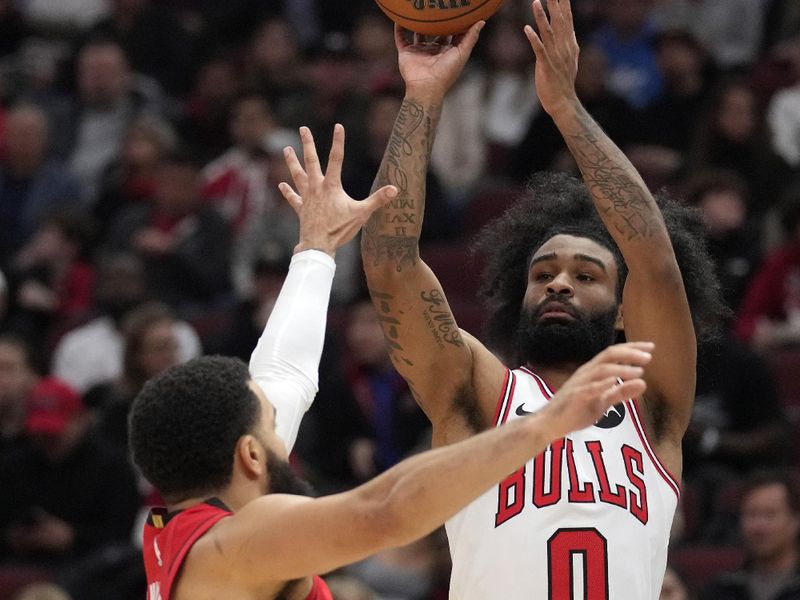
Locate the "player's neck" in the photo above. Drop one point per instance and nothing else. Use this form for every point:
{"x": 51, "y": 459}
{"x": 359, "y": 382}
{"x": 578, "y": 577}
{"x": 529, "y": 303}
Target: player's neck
{"x": 554, "y": 375}
{"x": 232, "y": 497}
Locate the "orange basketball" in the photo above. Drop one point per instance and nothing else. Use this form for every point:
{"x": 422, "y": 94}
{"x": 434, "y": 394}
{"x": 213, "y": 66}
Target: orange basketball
{"x": 438, "y": 17}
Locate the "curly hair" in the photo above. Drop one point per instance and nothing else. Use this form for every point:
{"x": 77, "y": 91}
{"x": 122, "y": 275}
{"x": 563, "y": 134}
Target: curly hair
{"x": 556, "y": 203}
{"x": 185, "y": 423}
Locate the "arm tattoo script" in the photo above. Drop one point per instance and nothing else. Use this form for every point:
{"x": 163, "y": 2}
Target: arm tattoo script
{"x": 620, "y": 194}
{"x": 392, "y": 233}
{"x": 390, "y": 322}
{"x": 440, "y": 319}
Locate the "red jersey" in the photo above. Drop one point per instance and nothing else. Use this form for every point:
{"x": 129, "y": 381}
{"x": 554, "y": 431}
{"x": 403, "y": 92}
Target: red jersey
{"x": 169, "y": 537}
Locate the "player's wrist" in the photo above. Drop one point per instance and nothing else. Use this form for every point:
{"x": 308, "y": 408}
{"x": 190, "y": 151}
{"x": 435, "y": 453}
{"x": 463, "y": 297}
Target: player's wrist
{"x": 304, "y": 245}
{"x": 428, "y": 95}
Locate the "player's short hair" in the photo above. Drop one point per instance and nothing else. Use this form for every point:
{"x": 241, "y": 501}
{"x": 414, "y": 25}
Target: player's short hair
{"x": 557, "y": 203}
{"x": 185, "y": 423}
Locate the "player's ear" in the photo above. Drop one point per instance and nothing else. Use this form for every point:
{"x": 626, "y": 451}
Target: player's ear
{"x": 619, "y": 323}
{"x": 250, "y": 455}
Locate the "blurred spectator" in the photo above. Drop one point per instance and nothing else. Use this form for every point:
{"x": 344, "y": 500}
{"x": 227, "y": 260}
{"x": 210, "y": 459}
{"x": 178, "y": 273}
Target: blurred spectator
{"x": 66, "y": 493}
{"x": 17, "y": 378}
{"x": 331, "y": 75}
{"x": 3, "y": 300}
{"x": 42, "y": 591}
{"x": 405, "y": 573}
{"x": 274, "y": 65}
{"x": 63, "y": 17}
{"x": 373, "y": 44}
{"x": 93, "y": 353}
{"x": 236, "y": 182}
{"x": 781, "y": 23}
{"x": 733, "y": 135}
{"x": 674, "y": 587}
{"x": 13, "y": 28}
{"x": 730, "y": 29}
{"x": 249, "y": 316}
{"x": 53, "y": 278}
{"x": 769, "y": 522}
{"x": 151, "y": 347}
{"x": 132, "y": 177}
{"x": 487, "y": 113}
{"x": 31, "y": 185}
{"x": 627, "y": 38}
{"x": 184, "y": 243}
{"x": 770, "y": 312}
{"x": 364, "y": 418}
{"x": 204, "y": 123}
{"x": 783, "y": 115}
{"x": 92, "y": 125}
{"x": 685, "y": 67}
{"x": 543, "y": 147}
{"x": 149, "y": 33}
{"x": 733, "y": 242}
{"x": 730, "y": 435}
{"x": 345, "y": 587}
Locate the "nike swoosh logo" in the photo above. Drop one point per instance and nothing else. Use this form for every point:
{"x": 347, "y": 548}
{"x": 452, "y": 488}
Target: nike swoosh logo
{"x": 521, "y": 412}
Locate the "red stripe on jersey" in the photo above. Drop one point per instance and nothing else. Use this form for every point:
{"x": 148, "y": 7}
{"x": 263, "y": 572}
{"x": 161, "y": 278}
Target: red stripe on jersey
{"x": 502, "y": 398}
{"x": 543, "y": 387}
{"x": 660, "y": 468}
{"x": 511, "y": 386}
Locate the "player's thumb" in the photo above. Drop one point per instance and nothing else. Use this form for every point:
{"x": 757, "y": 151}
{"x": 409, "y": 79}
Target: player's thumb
{"x": 380, "y": 198}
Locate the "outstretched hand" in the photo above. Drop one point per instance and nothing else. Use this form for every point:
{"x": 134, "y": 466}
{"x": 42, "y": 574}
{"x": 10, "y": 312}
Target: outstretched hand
{"x": 611, "y": 377}
{"x": 433, "y": 67}
{"x": 556, "y": 50}
{"x": 329, "y": 218}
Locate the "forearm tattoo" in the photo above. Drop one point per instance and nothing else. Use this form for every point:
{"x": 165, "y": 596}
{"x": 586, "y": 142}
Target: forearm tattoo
{"x": 392, "y": 233}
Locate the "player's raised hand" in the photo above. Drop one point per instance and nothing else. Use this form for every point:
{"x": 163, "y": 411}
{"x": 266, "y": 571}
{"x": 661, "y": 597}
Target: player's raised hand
{"x": 329, "y": 218}
{"x": 595, "y": 386}
{"x": 556, "y": 50}
{"x": 431, "y": 68}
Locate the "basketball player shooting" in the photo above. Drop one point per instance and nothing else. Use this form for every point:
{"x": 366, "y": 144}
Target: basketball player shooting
{"x": 214, "y": 438}
{"x": 572, "y": 267}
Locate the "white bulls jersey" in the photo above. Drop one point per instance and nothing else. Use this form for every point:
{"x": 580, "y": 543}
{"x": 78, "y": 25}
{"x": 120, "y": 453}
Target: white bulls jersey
{"x": 588, "y": 519}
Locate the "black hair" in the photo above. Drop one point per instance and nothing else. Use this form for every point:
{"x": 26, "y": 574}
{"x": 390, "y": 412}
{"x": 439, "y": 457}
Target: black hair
{"x": 767, "y": 477}
{"x": 185, "y": 423}
{"x": 789, "y": 209}
{"x": 559, "y": 203}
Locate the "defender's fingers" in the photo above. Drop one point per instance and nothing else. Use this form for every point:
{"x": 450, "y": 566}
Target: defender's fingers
{"x": 542, "y": 22}
{"x": 294, "y": 200}
{"x": 535, "y": 41}
{"x": 557, "y": 21}
{"x": 380, "y": 198}
{"x": 310, "y": 157}
{"x": 336, "y": 156}
{"x": 623, "y": 391}
{"x": 566, "y": 10}
{"x": 299, "y": 175}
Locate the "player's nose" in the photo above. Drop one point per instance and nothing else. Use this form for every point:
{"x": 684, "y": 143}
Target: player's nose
{"x": 560, "y": 284}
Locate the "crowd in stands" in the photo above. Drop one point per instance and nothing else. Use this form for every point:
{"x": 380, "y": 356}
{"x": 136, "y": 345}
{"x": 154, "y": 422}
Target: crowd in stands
{"x": 141, "y": 144}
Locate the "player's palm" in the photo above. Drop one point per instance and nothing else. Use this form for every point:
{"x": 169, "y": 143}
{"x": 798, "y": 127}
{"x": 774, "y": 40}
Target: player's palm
{"x": 434, "y": 66}
{"x": 329, "y": 217}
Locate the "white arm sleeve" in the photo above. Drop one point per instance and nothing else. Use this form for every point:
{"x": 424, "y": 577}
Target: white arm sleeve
{"x": 285, "y": 362}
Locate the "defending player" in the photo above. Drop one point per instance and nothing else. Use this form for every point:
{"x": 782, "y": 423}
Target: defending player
{"x": 568, "y": 271}
{"x": 214, "y": 439}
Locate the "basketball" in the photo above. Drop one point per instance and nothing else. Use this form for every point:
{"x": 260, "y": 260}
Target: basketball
{"x": 438, "y": 17}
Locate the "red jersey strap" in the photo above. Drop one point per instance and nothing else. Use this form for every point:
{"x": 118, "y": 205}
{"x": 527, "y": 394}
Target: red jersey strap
{"x": 319, "y": 591}
{"x": 168, "y": 539}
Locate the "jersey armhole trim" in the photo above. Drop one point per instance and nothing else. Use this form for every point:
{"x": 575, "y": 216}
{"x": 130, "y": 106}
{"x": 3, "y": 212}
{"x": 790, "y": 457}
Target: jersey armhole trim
{"x": 504, "y": 401}
{"x": 660, "y": 468}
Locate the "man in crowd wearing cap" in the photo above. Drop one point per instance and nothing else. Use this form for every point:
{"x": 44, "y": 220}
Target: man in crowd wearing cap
{"x": 64, "y": 493}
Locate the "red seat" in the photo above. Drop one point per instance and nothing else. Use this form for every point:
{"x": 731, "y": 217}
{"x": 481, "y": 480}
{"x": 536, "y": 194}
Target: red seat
{"x": 700, "y": 564}
{"x": 488, "y": 204}
{"x": 457, "y": 270}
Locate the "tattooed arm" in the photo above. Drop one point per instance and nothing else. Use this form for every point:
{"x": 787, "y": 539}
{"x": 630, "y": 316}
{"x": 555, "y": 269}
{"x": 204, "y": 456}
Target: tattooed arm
{"x": 654, "y": 300}
{"x": 426, "y": 345}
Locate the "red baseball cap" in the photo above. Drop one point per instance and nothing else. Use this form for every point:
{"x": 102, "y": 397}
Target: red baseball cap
{"x": 51, "y": 406}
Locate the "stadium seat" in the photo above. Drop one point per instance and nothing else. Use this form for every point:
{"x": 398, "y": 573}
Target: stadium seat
{"x": 700, "y": 564}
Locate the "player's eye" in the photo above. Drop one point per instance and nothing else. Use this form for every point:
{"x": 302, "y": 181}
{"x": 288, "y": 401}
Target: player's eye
{"x": 542, "y": 276}
{"x": 585, "y": 277}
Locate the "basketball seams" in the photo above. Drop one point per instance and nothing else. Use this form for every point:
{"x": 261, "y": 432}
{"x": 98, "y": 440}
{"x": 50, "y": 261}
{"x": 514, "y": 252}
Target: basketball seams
{"x": 398, "y": 15}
